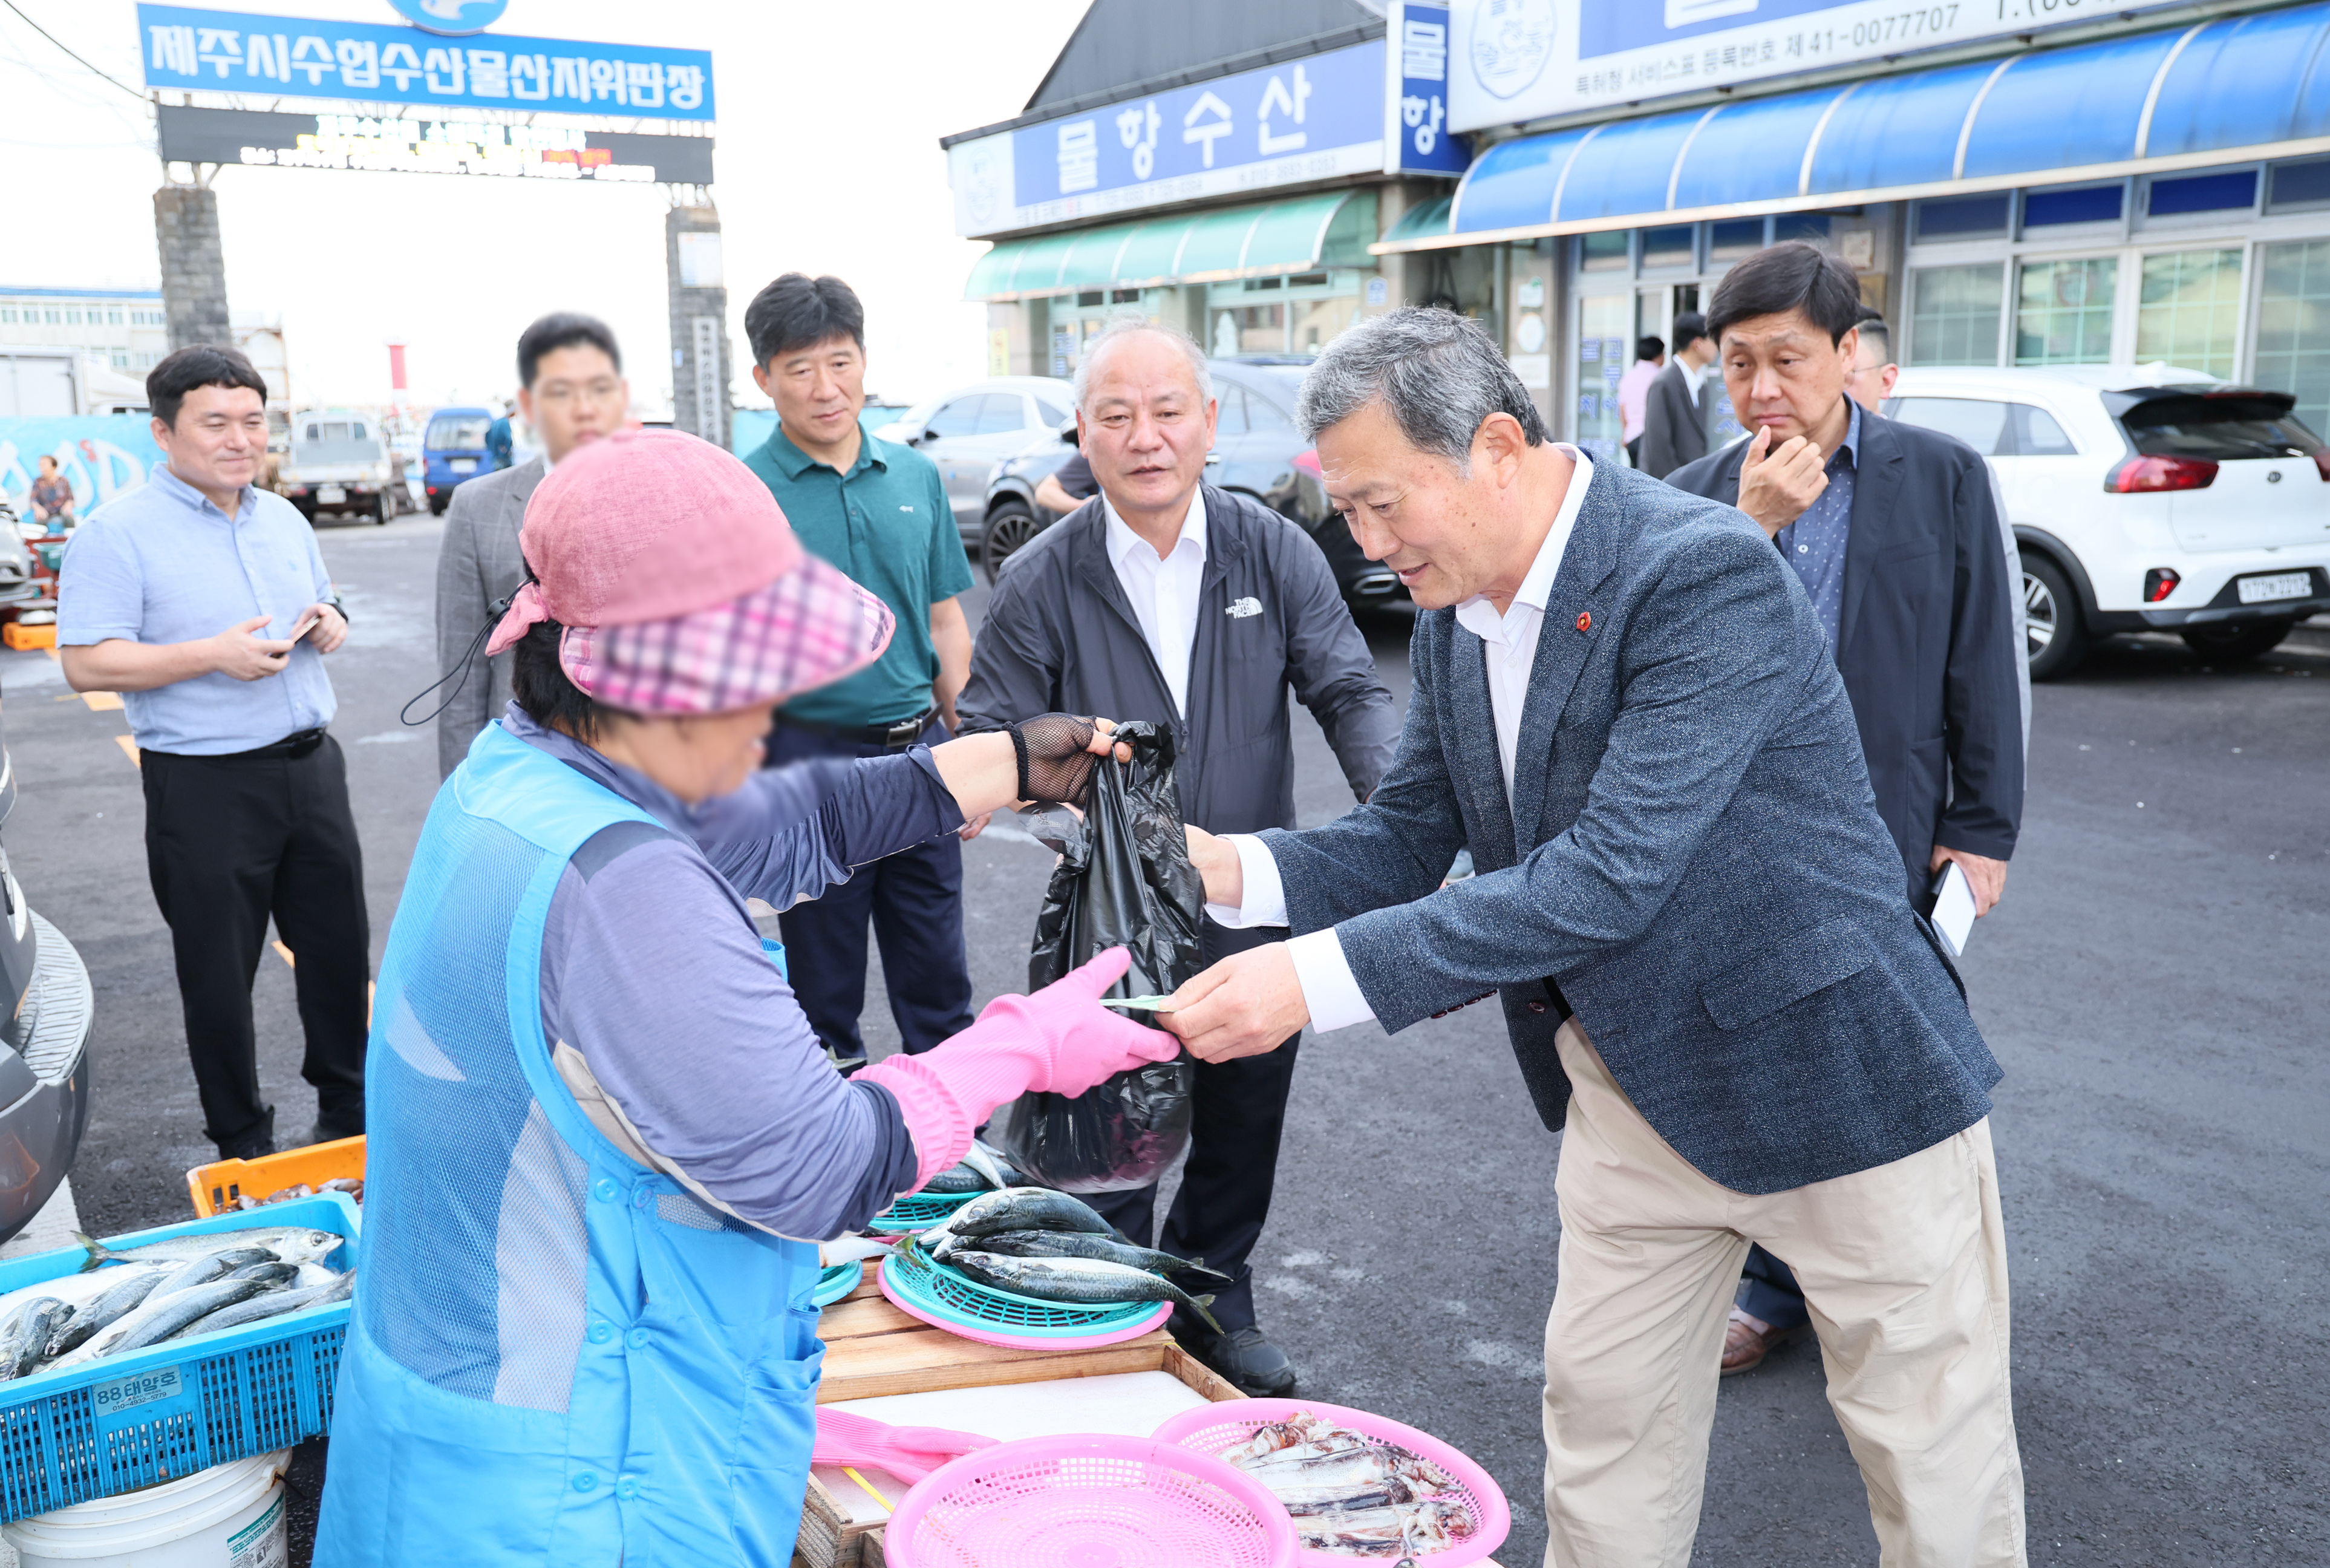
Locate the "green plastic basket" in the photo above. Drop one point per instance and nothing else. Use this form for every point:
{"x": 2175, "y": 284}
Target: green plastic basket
{"x": 837, "y": 1280}
{"x": 943, "y": 1293}
{"x": 919, "y": 1211}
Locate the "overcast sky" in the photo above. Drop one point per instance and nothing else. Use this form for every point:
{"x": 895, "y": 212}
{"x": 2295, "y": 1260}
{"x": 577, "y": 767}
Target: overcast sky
{"x": 828, "y": 161}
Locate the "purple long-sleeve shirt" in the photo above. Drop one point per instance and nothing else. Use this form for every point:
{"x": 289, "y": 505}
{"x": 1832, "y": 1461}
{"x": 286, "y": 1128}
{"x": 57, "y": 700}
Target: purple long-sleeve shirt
{"x": 652, "y": 970}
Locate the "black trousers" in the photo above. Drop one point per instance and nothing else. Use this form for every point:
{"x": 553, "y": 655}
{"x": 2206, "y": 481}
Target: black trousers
{"x": 229, "y": 842}
{"x": 1238, "y": 1115}
{"x": 914, "y": 902}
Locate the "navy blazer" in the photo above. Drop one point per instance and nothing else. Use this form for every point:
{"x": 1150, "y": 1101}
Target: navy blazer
{"x": 1691, "y": 858}
{"x": 1924, "y": 641}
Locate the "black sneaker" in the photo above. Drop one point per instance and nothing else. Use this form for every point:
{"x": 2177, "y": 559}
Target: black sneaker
{"x": 1257, "y": 1368}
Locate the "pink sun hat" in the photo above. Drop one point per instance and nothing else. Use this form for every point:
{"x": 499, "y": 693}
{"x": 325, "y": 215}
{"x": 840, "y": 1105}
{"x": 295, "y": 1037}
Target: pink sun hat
{"x": 680, "y": 586}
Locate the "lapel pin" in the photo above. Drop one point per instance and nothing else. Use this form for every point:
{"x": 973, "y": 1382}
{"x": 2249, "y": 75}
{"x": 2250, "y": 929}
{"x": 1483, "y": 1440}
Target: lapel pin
{"x": 1586, "y": 620}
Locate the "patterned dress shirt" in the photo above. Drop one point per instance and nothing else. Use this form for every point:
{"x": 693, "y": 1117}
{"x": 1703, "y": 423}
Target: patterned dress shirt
{"x": 1815, "y": 543}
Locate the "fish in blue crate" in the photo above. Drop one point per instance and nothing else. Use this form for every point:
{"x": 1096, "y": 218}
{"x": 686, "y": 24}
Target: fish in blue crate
{"x": 180, "y": 1288}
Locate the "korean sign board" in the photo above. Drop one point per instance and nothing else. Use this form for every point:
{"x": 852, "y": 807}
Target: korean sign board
{"x": 285, "y": 56}
{"x": 1313, "y": 118}
{"x": 543, "y": 150}
{"x": 1525, "y": 60}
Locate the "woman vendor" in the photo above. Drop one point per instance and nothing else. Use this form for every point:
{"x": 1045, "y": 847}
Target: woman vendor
{"x": 604, "y": 1140}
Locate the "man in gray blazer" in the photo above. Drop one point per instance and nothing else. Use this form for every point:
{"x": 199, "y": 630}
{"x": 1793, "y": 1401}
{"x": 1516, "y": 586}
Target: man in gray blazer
{"x": 571, "y": 390}
{"x": 1168, "y": 600}
{"x": 1674, "y": 411}
{"x": 1695, "y": 924}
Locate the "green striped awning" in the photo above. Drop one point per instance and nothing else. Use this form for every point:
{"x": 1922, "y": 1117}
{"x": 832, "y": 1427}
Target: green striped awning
{"x": 1305, "y": 234}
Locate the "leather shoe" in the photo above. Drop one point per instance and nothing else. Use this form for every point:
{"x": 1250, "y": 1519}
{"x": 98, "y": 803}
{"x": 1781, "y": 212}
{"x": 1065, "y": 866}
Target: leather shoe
{"x": 1748, "y": 1339}
{"x": 1256, "y": 1367}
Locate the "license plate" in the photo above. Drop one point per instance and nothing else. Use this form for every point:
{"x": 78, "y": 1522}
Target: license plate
{"x": 328, "y": 494}
{"x": 463, "y": 465}
{"x": 2281, "y": 585}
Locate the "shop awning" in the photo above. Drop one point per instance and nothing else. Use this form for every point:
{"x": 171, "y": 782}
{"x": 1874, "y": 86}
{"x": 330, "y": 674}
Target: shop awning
{"x": 1305, "y": 234}
{"x": 2227, "y": 91}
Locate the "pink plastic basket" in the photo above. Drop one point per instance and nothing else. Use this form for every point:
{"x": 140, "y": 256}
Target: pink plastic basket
{"x": 1088, "y": 1502}
{"x": 1210, "y": 1428}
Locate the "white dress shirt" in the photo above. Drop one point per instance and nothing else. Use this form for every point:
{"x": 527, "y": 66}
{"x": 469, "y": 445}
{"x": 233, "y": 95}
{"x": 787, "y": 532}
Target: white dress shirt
{"x": 1508, "y": 653}
{"x": 1163, "y": 592}
{"x": 1696, "y": 374}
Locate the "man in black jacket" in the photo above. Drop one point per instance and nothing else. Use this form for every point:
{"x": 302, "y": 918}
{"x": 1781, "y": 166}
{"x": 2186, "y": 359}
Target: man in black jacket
{"x": 1168, "y": 600}
{"x": 1674, "y": 411}
{"x": 1894, "y": 533}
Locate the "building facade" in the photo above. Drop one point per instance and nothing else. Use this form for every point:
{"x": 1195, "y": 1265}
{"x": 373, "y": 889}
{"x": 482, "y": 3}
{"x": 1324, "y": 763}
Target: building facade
{"x": 2152, "y": 184}
{"x": 121, "y": 328}
{"x": 1228, "y": 168}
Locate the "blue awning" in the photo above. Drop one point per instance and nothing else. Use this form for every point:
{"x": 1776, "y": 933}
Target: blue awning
{"x": 2237, "y": 87}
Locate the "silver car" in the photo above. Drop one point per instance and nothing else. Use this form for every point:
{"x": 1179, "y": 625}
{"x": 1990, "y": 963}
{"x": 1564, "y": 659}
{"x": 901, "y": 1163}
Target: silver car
{"x": 972, "y": 428}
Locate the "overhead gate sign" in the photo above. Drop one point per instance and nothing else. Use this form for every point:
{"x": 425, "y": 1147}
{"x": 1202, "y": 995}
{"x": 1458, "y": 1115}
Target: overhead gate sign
{"x": 430, "y": 147}
{"x": 286, "y": 56}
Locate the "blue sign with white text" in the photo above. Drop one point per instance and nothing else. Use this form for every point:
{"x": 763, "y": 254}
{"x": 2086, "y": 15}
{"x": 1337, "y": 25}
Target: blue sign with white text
{"x": 457, "y": 18}
{"x": 1419, "y": 116}
{"x": 1300, "y": 110}
{"x": 285, "y": 56}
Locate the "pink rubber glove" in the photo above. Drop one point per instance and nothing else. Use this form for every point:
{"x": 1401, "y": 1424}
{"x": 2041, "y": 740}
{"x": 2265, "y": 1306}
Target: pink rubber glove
{"x": 1061, "y": 1040}
{"x": 909, "y": 1453}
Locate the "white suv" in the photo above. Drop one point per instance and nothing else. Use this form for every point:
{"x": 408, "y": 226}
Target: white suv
{"x": 2145, "y": 497}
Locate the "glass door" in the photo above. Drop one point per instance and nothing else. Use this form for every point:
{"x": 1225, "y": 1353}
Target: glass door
{"x": 1602, "y": 355}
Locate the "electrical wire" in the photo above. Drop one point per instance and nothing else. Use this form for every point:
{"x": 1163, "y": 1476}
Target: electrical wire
{"x": 75, "y": 57}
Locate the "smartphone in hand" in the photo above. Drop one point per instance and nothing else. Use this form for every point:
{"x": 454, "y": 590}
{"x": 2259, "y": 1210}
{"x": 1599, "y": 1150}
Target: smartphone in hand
{"x": 307, "y": 626}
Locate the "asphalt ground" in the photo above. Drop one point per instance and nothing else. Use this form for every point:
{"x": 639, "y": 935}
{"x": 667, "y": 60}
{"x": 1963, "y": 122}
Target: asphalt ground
{"x": 2153, "y": 984}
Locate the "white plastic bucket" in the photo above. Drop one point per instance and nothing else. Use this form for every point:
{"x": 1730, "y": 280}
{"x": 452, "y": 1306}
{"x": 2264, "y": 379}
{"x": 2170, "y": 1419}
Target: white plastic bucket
{"x": 230, "y": 1516}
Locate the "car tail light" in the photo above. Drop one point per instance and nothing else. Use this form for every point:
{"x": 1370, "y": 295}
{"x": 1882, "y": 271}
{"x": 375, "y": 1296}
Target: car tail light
{"x": 2322, "y": 463}
{"x": 2137, "y": 475}
{"x": 1308, "y": 461}
{"x": 2159, "y": 583}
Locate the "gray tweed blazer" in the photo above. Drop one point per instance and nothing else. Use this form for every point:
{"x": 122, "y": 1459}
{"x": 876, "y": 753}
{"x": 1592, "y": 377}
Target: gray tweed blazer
{"x": 1691, "y": 855}
{"x": 477, "y": 564}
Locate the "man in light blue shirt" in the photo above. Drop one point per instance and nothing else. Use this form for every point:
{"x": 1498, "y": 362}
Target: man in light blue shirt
{"x": 204, "y": 603}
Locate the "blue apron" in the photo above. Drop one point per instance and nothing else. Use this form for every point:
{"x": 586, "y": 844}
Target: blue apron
{"x": 556, "y": 1355}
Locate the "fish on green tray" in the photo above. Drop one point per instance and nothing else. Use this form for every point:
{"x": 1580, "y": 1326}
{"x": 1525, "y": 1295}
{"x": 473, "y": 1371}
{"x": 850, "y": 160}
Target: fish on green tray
{"x": 286, "y": 1243}
{"x": 1075, "y": 1281}
{"x": 1019, "y": 1208}
{"x": 981, "y": 1169}
{"x": 1077, "y": 1244}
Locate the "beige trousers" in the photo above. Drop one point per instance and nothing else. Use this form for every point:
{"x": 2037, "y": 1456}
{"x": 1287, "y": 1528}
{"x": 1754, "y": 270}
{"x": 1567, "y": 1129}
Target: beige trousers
{"x": 1904, "y": 1270}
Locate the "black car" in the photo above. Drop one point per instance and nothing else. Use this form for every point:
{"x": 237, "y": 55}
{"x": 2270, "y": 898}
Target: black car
{"x": 43, "y": 1045}
{"x": 1258, "y": 450}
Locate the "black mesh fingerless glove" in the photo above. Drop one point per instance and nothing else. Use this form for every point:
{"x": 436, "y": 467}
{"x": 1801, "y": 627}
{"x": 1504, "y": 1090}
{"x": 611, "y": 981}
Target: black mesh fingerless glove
{"x": 1055, "y": 764}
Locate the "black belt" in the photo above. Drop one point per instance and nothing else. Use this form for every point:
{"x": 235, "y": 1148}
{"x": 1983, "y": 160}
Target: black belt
{"x": 290, "y": 746}
{"x": 904, "y": 732}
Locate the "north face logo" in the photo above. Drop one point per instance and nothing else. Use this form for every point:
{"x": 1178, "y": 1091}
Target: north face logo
{"x": 1241, "y": 608}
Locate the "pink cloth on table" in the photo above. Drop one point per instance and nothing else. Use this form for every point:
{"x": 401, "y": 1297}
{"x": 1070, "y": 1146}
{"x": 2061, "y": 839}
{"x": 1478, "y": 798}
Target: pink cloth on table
{"x": 909, "y": 1453}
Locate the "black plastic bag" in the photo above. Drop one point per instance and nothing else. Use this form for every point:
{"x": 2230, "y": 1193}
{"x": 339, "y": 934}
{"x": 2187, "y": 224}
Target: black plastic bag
{"x": 1124, "y": 878}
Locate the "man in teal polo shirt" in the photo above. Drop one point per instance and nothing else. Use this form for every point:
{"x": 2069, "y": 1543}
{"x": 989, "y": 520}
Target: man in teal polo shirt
{"x": 879, "y": 512}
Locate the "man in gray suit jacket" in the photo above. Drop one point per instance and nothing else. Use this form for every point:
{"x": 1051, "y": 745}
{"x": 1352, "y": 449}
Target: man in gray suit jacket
{"x": 1674, "y": 410}
{"x": 1695, "y": 924}
{"x": 571, "y": 390}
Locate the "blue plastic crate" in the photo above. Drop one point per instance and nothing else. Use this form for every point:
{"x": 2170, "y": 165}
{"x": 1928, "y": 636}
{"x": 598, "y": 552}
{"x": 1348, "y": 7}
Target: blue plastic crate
{"x": 108, "y": 1427}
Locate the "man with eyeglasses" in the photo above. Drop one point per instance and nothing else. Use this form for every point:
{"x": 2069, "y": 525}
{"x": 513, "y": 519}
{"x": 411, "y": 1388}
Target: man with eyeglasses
{"x": 570, "y": 389}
